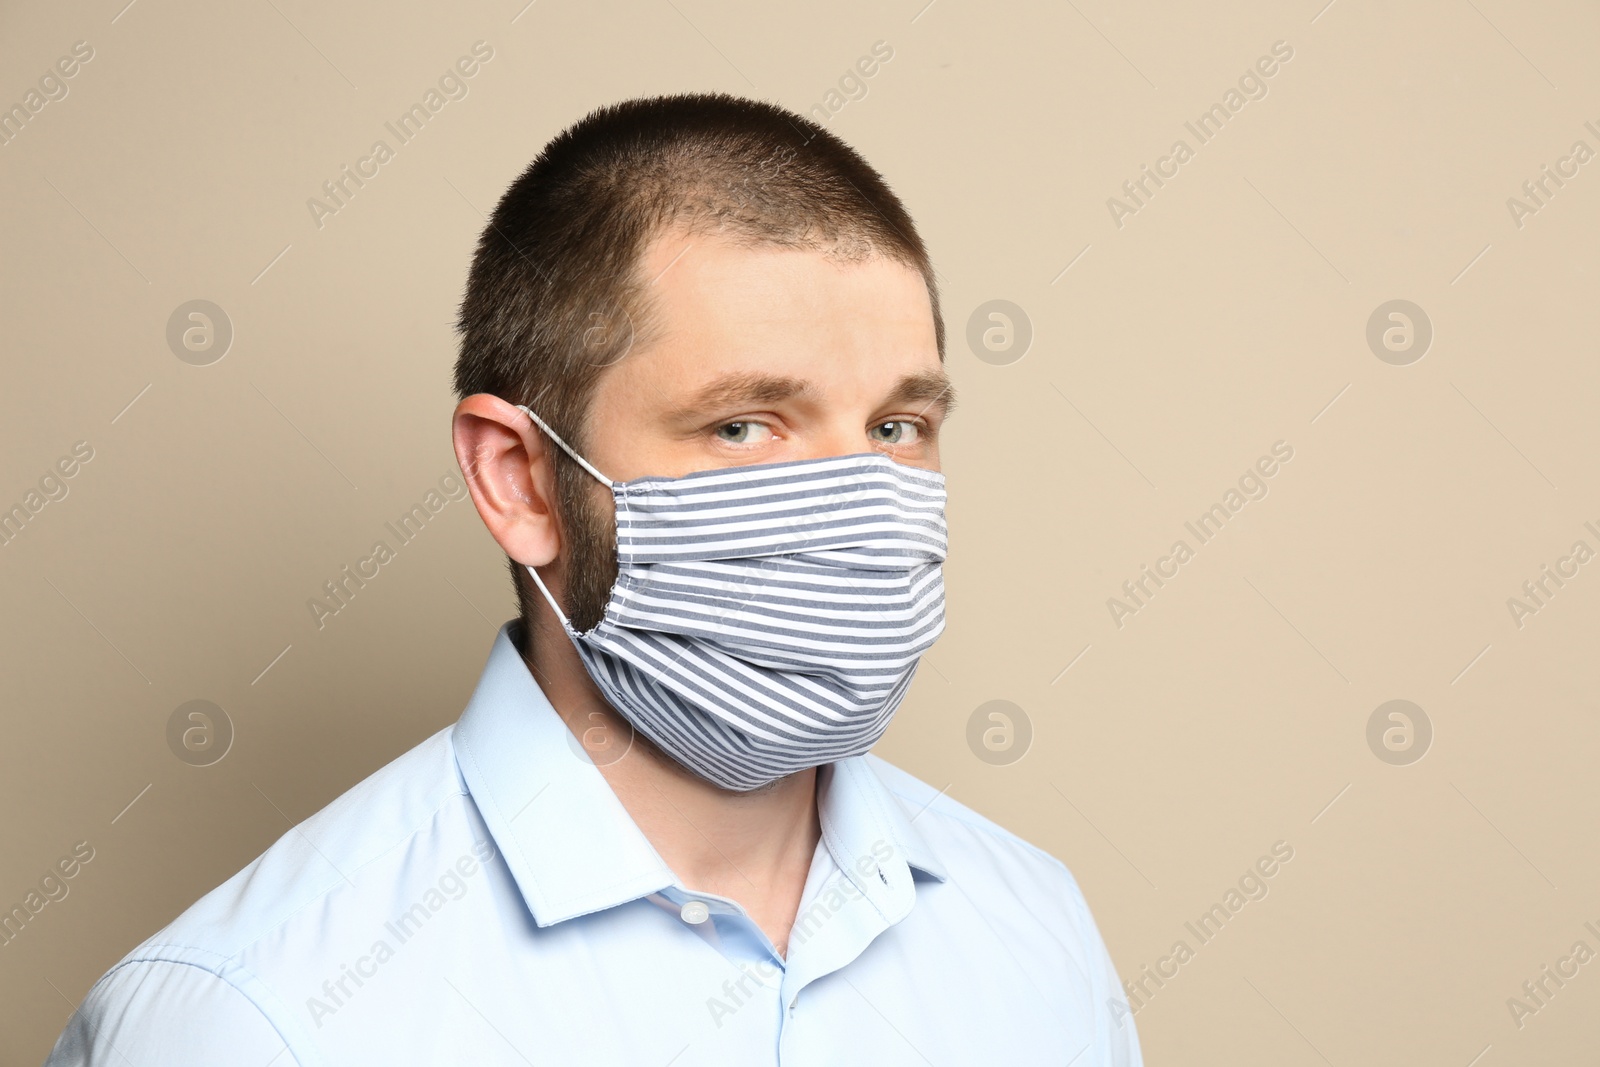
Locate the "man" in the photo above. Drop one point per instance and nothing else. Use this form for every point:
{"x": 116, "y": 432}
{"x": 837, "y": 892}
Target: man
{"x": 702, "y": 391}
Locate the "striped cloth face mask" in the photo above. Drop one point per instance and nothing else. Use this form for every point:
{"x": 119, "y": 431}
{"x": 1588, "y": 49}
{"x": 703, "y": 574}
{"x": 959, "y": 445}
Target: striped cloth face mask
{"x": 767, "y": 618}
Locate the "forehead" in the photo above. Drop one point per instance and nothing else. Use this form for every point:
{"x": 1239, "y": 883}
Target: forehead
{"x": 717, "y": 305}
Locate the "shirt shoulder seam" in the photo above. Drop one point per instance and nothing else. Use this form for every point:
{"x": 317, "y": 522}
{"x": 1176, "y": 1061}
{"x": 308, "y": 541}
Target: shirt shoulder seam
{"x": 245, "y": 946}
{"x": 214, "y": 972}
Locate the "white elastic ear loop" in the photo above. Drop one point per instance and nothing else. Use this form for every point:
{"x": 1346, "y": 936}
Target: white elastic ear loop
{"x": 566, "y": 624}
{"x": 564, "y": 447}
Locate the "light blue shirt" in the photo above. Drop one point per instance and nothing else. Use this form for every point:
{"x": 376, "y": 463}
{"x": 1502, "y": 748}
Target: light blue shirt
{"x": 486, "y": 899}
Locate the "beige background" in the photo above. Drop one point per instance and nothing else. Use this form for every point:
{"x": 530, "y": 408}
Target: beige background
{"x": 1229, "y": 313}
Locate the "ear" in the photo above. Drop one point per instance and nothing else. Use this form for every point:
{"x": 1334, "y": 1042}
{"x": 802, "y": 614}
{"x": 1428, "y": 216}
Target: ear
{"x": 509, "y": 471}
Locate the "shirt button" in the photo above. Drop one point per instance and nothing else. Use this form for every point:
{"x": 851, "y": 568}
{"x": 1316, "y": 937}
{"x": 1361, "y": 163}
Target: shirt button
{"x": 695, "y": 912}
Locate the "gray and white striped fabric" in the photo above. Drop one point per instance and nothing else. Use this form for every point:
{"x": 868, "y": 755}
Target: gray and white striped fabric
{"x": 768, "y": 618}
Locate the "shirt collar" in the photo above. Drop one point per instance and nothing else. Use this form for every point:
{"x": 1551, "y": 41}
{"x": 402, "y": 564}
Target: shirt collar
{"x": 571, "y": 845}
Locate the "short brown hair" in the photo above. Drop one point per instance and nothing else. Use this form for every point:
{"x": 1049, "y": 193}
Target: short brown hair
{"x": 553, "y": 297}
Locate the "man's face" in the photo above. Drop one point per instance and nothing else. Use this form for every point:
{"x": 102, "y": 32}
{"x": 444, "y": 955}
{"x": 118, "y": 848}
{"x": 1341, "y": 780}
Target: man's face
{"x": 762, "y": 355}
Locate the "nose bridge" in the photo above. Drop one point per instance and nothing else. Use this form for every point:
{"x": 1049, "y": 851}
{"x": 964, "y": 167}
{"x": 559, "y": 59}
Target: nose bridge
{"x": 835, "y": 444}
{"x": 831, "y": 429}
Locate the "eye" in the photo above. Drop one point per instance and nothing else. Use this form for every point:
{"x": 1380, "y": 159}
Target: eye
{"x": 895, "y": 432}
{"x": 744, "y": 432}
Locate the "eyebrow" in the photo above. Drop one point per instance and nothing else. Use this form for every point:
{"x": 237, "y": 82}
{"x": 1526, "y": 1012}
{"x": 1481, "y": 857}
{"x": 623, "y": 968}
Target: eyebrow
{"x": 737, "y": 388}
{"x": 933, "y": 389}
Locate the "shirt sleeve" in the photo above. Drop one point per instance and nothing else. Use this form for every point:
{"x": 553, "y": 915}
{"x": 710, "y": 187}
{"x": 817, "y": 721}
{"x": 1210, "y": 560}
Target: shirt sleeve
{"x": 1116, "y": 1038}
{"x": 1122, "y": 1039}
{"x": 168, "y": 1013}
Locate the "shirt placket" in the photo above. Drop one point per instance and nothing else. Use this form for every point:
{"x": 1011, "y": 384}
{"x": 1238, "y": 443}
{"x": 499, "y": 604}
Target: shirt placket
{"x": 837, "y": 938}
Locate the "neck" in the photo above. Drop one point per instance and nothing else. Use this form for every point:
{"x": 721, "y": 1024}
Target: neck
{"x": 754, "y": 848}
